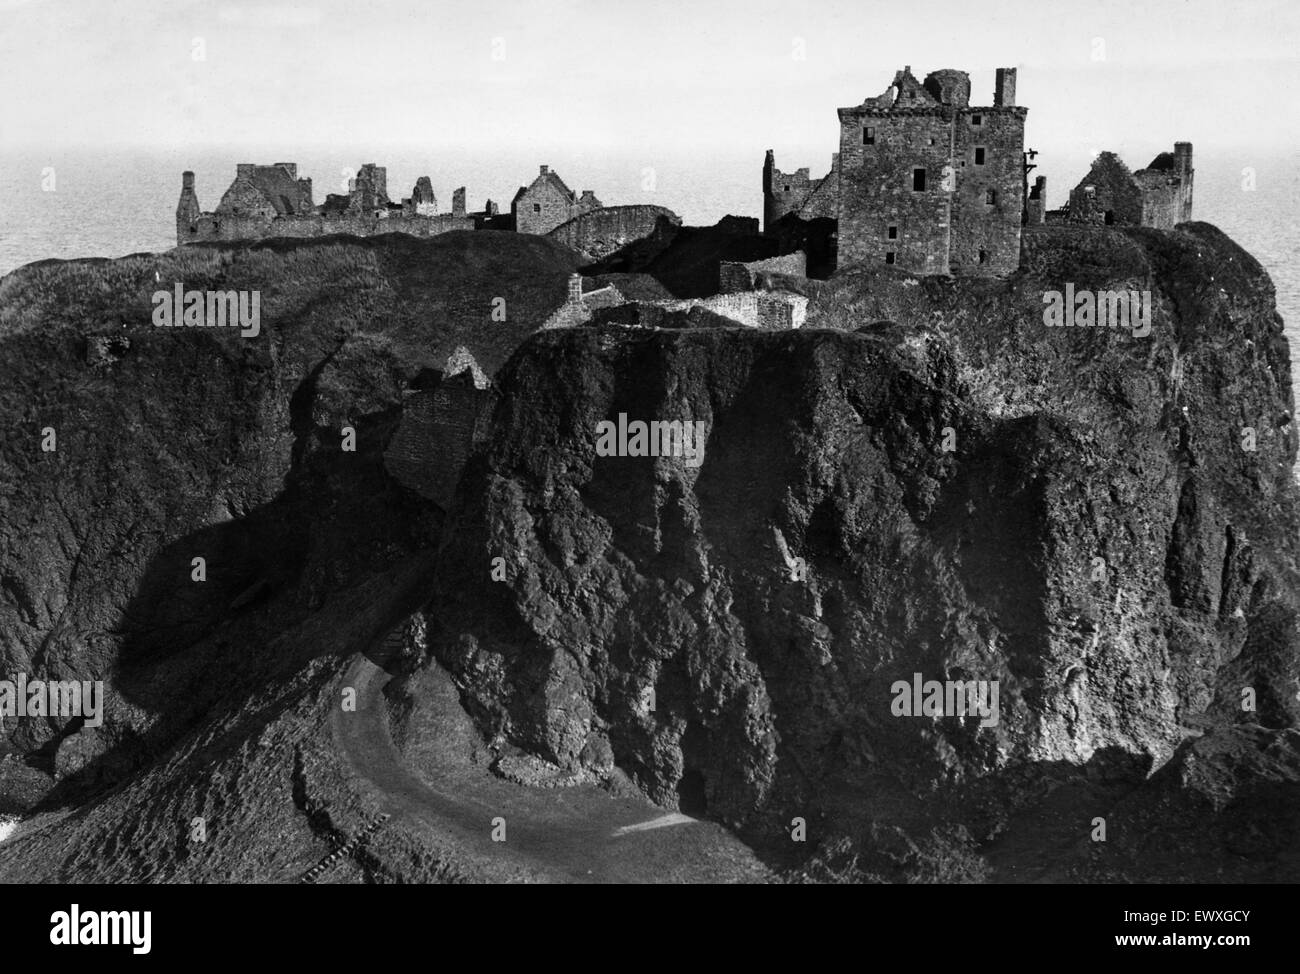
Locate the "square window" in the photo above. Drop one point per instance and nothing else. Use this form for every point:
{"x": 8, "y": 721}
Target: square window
{"x": 991, "y": 197}
{"x": 537, "y": 207}
{"x": 918, "y": 180}
{"x": 893, "y": 233}
{"x": 787, "y": 187}
{"x": 984, "y": 256}
{"x": 979, "y": 155}
{"x": 977, "y": 119}
{"x": 868, "y": 136}
{"x": 889, "y": 256}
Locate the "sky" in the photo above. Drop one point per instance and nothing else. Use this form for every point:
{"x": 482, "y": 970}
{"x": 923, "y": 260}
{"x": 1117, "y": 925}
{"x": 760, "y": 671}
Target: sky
{"x": 692, "y": 78}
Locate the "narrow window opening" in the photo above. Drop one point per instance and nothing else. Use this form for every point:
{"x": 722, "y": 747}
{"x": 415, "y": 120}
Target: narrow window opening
{"x": 889, "y": 256}
{"x": 979, "y": 155}
{"x": 918, "y": 179}
{"x": 893, "y": 233}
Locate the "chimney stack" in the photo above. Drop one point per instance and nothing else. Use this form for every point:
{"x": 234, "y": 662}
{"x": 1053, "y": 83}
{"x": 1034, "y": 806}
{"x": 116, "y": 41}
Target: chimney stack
{"x": 545, "y": 170}
{"x": 1004, "y": 89}
{"x": 575, "y": 288}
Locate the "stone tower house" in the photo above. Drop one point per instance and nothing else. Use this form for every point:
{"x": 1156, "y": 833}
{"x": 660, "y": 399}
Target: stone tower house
{"x": 930, "y": 183}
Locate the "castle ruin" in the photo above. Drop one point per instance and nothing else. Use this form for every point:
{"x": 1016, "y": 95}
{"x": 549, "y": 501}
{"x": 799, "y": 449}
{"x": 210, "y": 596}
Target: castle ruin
{"x": 927, "y": 182}
{"x": 923, "y": 180}
{"x": 271, "y": 201}
{"x": 1158, "y": 196}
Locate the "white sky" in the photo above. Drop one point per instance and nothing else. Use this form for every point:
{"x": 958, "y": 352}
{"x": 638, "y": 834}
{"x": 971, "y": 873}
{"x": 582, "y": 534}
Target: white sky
{"x": 684, "y": 76}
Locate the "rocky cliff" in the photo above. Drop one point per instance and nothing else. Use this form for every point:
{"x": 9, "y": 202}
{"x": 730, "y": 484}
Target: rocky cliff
{"x": 1103, "y": 524}
{"x": 925, "y": 480}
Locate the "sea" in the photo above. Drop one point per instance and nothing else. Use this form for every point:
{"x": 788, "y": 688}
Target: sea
{"x": 110, "y": 202}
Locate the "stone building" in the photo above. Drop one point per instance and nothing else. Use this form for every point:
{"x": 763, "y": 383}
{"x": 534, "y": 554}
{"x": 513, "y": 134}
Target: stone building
{"x": 929, "y": 182}
{"x": 547, "y": 202}
{"x": 1158, "y": 196}
{"x": 923, "y": 179}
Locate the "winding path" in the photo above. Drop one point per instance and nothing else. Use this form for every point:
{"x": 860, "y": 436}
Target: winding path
{"x": 576, "y": 834}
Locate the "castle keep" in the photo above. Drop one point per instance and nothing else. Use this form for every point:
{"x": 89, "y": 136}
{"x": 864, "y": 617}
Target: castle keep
{"x": 923, "y": 179}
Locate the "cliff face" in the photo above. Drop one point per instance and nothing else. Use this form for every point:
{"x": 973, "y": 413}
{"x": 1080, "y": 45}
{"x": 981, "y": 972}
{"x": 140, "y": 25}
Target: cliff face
{"x": 1068, "y": 512}
{"x": 173, "y": 444}
{"x": 925, "y": 480}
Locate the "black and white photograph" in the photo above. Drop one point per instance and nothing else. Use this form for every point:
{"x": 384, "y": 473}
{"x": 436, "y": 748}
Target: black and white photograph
{"x": 696, "y": 442}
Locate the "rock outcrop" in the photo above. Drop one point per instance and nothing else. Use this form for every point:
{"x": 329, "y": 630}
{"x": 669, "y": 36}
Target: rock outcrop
{"x": 968, "y": 495}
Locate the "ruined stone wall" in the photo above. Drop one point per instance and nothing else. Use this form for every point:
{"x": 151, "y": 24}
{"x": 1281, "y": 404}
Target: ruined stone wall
{"x": 210, "y": 226}
{"x": 988, "y": 197}
{"x": 876, "y": 188}
{"x": 1162, "y": 199}
{"x": 1107, "y": 195}
{"x": 824, "y": 201}
{"x": 754, "y": 309}
{"x": 243, "y": 199}
{"x": 1036, "y": 204}
{"x": 796, "y": 192}
{"x": 601, "y": 232}
{"x": 431, "y": 445}
{"x": 734, "y": 277}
